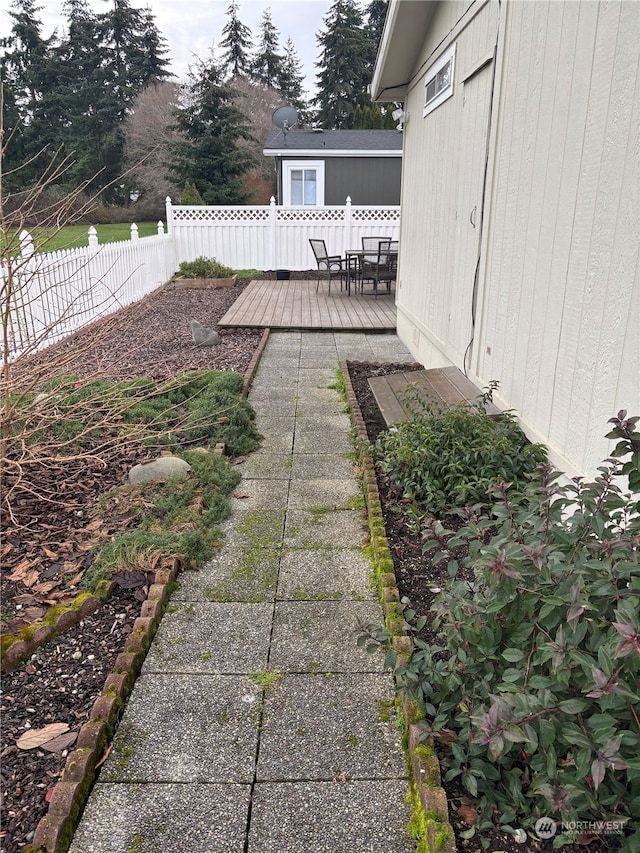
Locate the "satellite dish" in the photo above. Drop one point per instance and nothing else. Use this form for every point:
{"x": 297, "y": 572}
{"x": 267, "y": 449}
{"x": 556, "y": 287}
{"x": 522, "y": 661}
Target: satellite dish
{"x": 284, "y": 118}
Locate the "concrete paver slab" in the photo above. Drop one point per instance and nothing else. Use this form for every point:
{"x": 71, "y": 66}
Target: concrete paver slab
{"x": 186, "y": 728}
{"x": 340, "y": 529}
{"x": 259, "y": 495}
{"x": 332, "y": 465}
{"x": 168, "y": 818}
{"x": 337, "y": 573}
{"x": 239, "y": 573}
{"x": 326, "y": 438}
{"x": 325, "y": 493}
{"x": 211, "y": 638}
{"x": 319, "y": 636}
{"x": 341, "y": 817}
{"x": 267, "y": 466}
{"x": 351, "y": 737}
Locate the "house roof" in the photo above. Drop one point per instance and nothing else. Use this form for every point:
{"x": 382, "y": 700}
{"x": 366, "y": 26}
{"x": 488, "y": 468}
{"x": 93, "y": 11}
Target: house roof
{"x": 404, "y": 34}
{"x": 334, "y": 143}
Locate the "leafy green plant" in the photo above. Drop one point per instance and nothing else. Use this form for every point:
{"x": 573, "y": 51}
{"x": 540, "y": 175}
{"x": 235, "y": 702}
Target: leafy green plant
{"x": 454, "y": 456}
{"x": 204, "y": 268}
{"x": 531, "y": 690}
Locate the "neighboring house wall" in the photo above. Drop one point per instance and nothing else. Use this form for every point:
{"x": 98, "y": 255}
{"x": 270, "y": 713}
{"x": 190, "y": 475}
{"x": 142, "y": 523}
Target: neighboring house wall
{"x": 365, "y": 180}
{"x": 519, "y": 252}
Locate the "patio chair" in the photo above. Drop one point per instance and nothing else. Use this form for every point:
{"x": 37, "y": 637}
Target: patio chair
{"x": 330, "y": 267}
{"x": 379, "y": 267}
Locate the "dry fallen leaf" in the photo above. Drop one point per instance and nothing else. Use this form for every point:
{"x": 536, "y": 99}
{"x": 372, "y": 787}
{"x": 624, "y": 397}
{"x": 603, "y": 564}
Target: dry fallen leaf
{"x": 37, "y": 737}
{"x": 30, "y": 578}
{"x": 20, "y": 570}
{"x": 57, "y": 744}
{"x": 240, "y": 495}
{"x": 468, "y": 814}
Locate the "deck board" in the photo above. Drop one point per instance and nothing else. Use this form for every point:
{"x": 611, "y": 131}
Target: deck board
{"x": 393, "y": 393}
{"x": 294, "y": 304}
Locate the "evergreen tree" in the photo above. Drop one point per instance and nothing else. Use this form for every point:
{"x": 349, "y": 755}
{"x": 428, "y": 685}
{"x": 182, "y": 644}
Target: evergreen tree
{"x": 23, "y": 70}
{"x": 267, "y": 62}
{"x": 291, "y": 81}
{"x": 345, "y": 66}
{"x": 236, "y": 42}
{"x": 376, "y": 12}
{"x": 97, "y": 72}
{"x": 210, "y": 154}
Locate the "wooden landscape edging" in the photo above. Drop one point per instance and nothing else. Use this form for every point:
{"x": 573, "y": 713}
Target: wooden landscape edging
{"x": 429, "y": 800}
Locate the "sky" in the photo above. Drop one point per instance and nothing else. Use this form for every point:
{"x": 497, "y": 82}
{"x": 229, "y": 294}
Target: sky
{"x": 192, "y": 27}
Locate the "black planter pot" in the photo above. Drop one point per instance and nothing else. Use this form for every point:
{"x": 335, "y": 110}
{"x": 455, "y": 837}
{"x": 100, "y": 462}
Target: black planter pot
{"x": 282, "y": 275}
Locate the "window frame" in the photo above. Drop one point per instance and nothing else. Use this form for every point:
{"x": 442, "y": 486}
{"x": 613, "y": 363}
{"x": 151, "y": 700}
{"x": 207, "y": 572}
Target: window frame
{"x": 289, "y": 166}
{"x": 449, "y": 56}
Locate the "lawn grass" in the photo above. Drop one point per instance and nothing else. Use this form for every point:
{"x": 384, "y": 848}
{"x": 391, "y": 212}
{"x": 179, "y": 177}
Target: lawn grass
{"x": 77, "y": 236}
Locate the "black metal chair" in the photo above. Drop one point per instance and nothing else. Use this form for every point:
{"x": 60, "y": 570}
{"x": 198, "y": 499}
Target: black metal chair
{"x": 380, "y": 267}
{"x": 331, "y": 267}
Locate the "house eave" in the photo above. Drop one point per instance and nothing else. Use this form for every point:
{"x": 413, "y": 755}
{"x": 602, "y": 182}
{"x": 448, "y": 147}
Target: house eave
{"x": 402, "y": 39}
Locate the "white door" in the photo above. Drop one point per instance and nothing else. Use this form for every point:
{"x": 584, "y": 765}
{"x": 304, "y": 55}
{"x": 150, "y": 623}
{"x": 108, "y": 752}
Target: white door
{"x": 472, "y": 153}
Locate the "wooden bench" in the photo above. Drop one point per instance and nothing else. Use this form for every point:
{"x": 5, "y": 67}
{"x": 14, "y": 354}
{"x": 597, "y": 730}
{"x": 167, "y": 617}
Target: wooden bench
{"x": 393, "y": 393}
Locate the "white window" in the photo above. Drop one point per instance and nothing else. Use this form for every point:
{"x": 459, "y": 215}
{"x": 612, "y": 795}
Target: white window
{"x": 438, "y": 82}
{"x": 303, "y": 182}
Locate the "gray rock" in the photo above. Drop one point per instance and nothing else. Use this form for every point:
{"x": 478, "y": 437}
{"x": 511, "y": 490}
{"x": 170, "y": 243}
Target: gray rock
{"x": 164, "y": 468}
{"x": 203, "y": 337}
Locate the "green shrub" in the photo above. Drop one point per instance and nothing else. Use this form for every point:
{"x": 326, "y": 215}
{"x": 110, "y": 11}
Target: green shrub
{"x": 455, "y": 456}
{"x": 532, "y": 688}
{"x": 204, "y": 268}
{"x": 190, "y": 194}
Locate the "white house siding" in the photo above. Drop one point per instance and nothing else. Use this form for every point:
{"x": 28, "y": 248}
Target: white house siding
{"x": 442, "y": 183}
{"x": 558, "y": 314}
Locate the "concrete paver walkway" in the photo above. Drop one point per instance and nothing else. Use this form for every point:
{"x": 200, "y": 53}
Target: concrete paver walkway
{"x": 257, "y": 724}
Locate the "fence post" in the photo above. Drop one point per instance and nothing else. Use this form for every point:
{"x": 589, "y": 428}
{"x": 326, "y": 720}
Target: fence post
{"x": 167, "y": 204}
{"x": 160, "y": 228}
{"x": 272, "y": 236}
{"x": 134, "y": 231}
{"x": 93, "y": 238}
{"x": 26, "y": 244}
{"x": 347, "y": 222}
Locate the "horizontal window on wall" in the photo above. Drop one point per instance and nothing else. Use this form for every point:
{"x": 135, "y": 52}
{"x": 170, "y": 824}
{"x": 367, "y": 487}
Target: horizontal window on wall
{"x": 438, "y": 81}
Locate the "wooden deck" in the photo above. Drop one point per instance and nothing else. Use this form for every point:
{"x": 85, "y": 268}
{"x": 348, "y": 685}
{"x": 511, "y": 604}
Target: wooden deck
{"x": 441, "y": 385}
{"x": 296, "y": 305}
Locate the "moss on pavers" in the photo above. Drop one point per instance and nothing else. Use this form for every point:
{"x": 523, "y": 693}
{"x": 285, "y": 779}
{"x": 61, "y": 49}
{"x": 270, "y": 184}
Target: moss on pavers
{"x": 152, "y": 818}
{"x": 348, "y": 738}
{"x": 320, "y": 574}
{"x": 334, "y": 529}
{"x": 202, "y": 637}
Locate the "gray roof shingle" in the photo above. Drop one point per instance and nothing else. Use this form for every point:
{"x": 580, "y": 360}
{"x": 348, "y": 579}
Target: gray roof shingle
{"x": 335, "y": 140}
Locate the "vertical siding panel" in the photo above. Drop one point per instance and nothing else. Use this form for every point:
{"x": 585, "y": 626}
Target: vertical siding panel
{"x": 613, "y": 260}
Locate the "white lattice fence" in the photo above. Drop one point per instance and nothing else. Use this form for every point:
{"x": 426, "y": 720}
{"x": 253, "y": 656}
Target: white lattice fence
{"x": 274, "y": 237}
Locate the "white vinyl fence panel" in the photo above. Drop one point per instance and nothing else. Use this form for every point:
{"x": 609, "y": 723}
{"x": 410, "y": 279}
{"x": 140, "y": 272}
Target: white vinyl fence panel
{"x": 272, "y": 236}
{"x": 57, "y": 293}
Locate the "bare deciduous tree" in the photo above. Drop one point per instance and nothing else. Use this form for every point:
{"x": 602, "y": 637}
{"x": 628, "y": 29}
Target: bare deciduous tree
{"x": 148, "y": 131}
{"x": 258, "y": 102}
